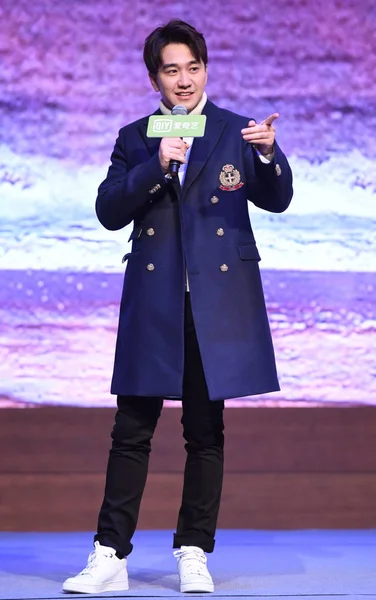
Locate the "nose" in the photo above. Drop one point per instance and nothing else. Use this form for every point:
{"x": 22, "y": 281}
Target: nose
{"x": 184, "y": 79}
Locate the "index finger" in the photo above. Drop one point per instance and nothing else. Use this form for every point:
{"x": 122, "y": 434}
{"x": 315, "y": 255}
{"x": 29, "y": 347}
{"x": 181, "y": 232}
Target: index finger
{"x": 173, "y": 142}
{"x": 270, "y": 119}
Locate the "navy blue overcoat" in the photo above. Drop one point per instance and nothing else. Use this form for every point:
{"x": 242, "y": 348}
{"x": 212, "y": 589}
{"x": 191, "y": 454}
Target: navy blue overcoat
{"x": 203, "y": 230}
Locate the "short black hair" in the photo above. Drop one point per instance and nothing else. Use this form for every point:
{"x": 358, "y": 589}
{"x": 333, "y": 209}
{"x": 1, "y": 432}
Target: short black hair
{"x": 174, "y": 32}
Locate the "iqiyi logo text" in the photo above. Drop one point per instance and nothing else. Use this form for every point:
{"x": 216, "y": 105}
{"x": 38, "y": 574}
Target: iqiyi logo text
{"x": 162, "y": 125}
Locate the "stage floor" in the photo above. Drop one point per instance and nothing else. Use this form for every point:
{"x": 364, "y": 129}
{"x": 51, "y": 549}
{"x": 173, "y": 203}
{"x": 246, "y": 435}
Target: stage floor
{"x": 256, "y": 564}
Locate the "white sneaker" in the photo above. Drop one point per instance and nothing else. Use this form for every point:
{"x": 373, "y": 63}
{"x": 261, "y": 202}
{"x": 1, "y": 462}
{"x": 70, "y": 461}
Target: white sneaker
{"x": 193, "y": 572}
{"x": 105, "y": 572}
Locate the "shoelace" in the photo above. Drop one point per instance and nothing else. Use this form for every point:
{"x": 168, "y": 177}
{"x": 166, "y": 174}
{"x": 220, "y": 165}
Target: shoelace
{"x": 195, "y": 561}
{"x": 92, "y": 562}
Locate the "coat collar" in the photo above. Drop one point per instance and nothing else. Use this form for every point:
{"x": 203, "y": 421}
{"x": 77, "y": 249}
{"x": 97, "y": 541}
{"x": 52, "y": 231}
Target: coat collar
{"x": 202, "y": 147}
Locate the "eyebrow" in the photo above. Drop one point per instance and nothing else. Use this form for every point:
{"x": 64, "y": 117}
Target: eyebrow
{"x": 169, "y": 65}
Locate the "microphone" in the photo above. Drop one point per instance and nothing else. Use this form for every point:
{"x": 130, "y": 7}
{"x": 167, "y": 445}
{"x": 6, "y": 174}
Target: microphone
{"x": 175, "y": 164}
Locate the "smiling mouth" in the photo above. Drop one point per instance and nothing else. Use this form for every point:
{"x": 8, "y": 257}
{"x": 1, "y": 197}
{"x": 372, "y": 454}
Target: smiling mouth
{"x": 184, "y": 94}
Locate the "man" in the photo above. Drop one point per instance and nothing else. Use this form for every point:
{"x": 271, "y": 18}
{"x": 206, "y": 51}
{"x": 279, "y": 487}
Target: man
{"x": 193, "y": 324}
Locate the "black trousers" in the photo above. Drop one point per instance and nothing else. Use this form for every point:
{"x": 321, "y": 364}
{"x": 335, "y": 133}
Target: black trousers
{"x": 127, "y": 468}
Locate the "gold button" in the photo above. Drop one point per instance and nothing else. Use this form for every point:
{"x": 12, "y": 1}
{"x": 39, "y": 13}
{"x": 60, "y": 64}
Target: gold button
{"x": 278, "y": 170}
{"x": 150, "y": 267}
{"x": 224, "y": 268}
{"x": 150, "y": 231}
{"x": 214, "y": 199}
{"x": 220, "y": 231}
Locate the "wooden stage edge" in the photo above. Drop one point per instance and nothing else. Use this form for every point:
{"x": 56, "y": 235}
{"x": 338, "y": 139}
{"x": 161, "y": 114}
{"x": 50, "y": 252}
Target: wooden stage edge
{"x": 285, "y": 468}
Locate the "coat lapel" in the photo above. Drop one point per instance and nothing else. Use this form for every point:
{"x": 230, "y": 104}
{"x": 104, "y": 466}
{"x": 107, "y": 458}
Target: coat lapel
{"x": 151, "y": 143}
{"x": 204, "y": 147}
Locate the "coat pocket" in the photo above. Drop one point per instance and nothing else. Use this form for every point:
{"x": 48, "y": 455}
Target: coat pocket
{"x": 135, "y": 234}
{"x": 248, "y": 252}
{"x": 127, "y": 256}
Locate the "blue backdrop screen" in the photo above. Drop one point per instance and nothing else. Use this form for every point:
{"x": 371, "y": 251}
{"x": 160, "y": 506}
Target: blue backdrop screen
{"x": 72, "y": 74}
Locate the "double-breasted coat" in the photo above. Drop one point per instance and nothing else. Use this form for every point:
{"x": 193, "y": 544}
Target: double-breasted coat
{"x": 202, "y": 232}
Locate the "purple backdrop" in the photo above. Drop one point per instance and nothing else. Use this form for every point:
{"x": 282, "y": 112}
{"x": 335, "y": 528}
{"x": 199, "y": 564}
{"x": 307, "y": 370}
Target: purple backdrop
{"x": 71, "y": 75}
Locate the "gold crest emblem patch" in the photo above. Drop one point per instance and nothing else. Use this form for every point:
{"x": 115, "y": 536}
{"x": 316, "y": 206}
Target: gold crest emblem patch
{"x": 230, "y": 179}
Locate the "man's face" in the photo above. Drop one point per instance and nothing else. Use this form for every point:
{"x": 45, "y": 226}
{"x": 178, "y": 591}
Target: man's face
{"x": 181, "y": 78}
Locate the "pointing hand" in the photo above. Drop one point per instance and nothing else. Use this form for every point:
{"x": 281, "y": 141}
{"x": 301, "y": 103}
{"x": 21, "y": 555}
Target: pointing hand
{"x": 261, "y": 135}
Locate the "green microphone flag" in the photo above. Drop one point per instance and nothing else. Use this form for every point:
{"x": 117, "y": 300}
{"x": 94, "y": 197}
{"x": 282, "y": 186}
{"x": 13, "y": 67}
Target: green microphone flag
{"x": 176, "y": 126}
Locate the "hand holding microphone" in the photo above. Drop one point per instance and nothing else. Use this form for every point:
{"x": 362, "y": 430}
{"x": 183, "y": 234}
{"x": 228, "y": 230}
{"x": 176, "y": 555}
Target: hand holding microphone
{"x": 172, "y": 154}
{"x": 172, "y": 150}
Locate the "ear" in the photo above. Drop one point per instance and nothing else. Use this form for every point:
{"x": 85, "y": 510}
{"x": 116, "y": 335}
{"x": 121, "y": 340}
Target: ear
{"x": 154, "y": 83}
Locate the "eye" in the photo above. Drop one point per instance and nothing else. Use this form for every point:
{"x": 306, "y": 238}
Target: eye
{"x": 171, "y": 72}
{"x": 194, "y": 69}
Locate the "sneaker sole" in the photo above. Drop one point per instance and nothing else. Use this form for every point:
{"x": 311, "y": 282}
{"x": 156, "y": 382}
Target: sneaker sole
{"x": 95, "y": 589}
{"x": 187, "y": 588}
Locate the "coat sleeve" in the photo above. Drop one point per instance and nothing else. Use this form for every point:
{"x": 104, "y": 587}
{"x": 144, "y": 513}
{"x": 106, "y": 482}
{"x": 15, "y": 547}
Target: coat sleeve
{"x": 126, "y": 191}
{"x": 269, "y": 185}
